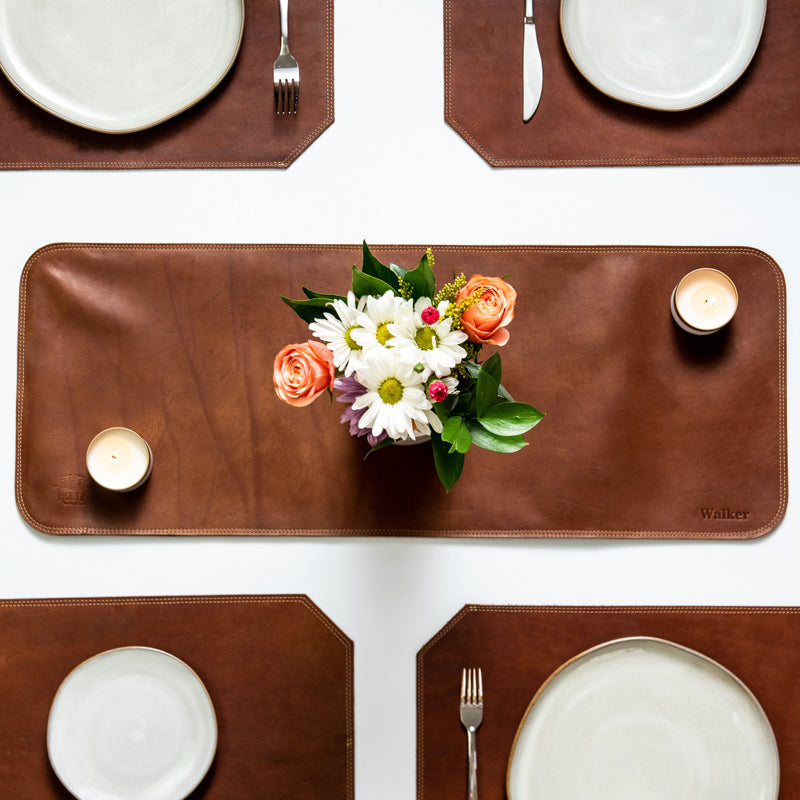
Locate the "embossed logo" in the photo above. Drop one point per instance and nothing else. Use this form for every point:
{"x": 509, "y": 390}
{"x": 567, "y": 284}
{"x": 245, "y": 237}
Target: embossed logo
{"x": 723, "y": 513}
{"x": 72, "y": 489}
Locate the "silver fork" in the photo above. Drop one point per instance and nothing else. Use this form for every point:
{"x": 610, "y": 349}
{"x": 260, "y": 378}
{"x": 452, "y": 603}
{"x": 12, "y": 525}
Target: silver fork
{"x": 471, "y": 718}
{"x": 285, "y": 70}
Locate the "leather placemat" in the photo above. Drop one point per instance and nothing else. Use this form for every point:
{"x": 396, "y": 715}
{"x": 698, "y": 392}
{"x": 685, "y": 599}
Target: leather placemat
{"x": 279, "y": 673}
{"x": 756, "y": 121}
{"x": 519, "y": 647}
{"x": 235, "y": 126}
{"x": 650, "y": 432}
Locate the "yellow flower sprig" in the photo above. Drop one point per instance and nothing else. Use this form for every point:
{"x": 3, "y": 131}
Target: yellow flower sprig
{"x": 404, "y": 289}
{"x": 455, "y": 310}
{"x": 450, "y": 290}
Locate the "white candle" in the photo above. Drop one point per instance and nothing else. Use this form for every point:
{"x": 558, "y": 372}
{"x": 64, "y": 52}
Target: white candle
{"x": 119, "y": 459}
{"x": 704, "y": 301}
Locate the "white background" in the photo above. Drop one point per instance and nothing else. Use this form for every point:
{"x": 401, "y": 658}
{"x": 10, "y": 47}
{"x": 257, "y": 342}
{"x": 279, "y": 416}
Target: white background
{"x": 390, "y": 170}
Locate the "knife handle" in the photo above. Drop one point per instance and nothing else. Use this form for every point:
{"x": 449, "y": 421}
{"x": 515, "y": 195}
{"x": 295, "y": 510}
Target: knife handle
{"x": 529, "y": 12}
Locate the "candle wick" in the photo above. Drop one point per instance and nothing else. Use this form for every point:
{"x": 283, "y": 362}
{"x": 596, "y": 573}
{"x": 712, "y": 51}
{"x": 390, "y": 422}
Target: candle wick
{"x": 711, "y": 301}
{"x": 114, "y": 457}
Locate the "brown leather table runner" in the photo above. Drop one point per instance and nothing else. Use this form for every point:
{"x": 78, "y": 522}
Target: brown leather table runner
{"x": 235, "y": 126}
{"x": 519, "y": 647}
{"x": 649, "y": 431}
{"x": 756, "y": 121}
{"x": 278, "y": 671}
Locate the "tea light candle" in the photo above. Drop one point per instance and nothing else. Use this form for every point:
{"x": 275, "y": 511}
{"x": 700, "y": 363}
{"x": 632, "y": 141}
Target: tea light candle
{"x": 119, "y": 459}
{"x": 704, "y": 301}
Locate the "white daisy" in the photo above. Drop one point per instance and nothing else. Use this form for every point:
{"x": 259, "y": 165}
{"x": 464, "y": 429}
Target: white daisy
{"x": 336, "y": 331}
{"x": 395, "y": 399}
{"x": 424, "y": 428}
{"x": 377, "y": 316}
{"x": 432, "y": 344}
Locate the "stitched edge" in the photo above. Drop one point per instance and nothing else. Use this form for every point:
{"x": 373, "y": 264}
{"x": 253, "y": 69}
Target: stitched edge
{"x": 547, "y": 533}
{"x": 577, "y": 610}
{"x": 450, "y": 119}
{"x": 161, "y": 600}
{"x": 276, "y": 163}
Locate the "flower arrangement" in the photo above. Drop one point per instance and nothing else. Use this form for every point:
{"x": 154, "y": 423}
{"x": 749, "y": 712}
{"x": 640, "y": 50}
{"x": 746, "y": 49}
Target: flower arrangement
{"x": 404, "y": 359}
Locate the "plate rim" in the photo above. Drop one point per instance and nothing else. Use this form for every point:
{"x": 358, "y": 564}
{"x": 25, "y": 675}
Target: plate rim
{"x": 121, "y": 131}
{"x": 138, "y": 648}
{"x": 669, "y": 109}
{"x": 646, "y": 640}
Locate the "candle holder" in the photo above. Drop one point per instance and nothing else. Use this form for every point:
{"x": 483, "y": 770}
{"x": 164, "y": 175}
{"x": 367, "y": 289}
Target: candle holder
{"x": 704, "y": 301}
{"x": 119, "y": 459}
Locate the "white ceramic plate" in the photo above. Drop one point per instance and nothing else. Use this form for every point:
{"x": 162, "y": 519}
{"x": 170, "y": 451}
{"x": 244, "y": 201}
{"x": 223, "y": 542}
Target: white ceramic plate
{"x": 643, "y": 718}
{"x": 118, "y": 65}
{"x": 665, "y": 54}
{"x": 131, "y": 724}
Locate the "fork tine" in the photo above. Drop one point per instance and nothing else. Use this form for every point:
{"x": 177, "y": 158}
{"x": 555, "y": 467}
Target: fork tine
{"x": 287, "y": 95}
{"x": 480, "y": 686}
{"x": 464, "y": 685}
{"x": 285, "y": 70}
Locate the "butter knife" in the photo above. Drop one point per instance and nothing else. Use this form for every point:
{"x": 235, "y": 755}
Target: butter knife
{"x": 531, "y": 67}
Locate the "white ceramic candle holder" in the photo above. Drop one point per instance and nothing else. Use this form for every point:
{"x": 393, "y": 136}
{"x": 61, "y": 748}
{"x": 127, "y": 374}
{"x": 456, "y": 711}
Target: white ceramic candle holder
{"x": 119, "y": 459}
{"x": 704, "y": 301}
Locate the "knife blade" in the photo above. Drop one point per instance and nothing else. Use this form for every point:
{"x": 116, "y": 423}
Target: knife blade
{"x": 531, "y": 67}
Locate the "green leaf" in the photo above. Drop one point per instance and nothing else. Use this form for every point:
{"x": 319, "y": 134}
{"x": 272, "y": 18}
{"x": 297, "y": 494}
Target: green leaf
{"x": 371, "y": 266}
{"x": 455, "y": 431}
{"x": 401, "y": 272}
{"x": 465, "y": 402}
{"x": 486, "y": 389}
{"x": 493, "y": 367}
{"x": 312, "y": 295}
{"x": 379, "y": 446}
{"x": 502, "y": 392}
{"x": 448, "y": 464}
{"x": 308, "y": 310}
{"x": 444, "y": 408}
{"x": 510, "y": 419}
{"x": 472, "y": 368}
{"x": 491, "y": 441}
{"x": 364, "y": 284}
{"x": 421, "y": 280}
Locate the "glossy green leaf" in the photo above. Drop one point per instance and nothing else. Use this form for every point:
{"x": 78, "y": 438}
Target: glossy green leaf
{"x": 510, "y": 419}
{"x": 401, "y": 272}
{"x": 312, "y": 295}
{"x": 486, "y": 389}
{"x": 493, "y": 367}
{"x": 472, "y": 368}
{"x": 491, "y": 441}
{"x": 503, "y": 394}
{"x": 448, "y": 464}
{"x": 365, "y": 284}
{"x": 308, "y": 310}
{"x": 379, "y": 446}
{"x": 455, "y": 431}
{"x": 421, "y": 280}
{"x": 371, "y": 266}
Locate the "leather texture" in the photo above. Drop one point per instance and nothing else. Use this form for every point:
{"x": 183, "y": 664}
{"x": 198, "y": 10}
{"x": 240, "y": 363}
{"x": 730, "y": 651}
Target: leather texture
{"x": 756, "y": 121}
{"x": 649, "y": 431}
{"x": 278, "y": 671}
{"x": 519, "y": 647}
{"x": 235, "y": 126}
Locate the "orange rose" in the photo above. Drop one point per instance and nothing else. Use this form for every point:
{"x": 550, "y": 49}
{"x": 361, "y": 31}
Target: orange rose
{"x": 302, "y": 372}
{"x": 485, "y": 322}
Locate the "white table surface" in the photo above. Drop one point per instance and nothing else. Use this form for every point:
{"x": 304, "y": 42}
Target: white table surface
{"x": 391, "y": 171}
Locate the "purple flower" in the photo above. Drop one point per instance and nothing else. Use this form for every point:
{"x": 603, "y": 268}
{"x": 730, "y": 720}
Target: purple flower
{"x": 350, "y": 389}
